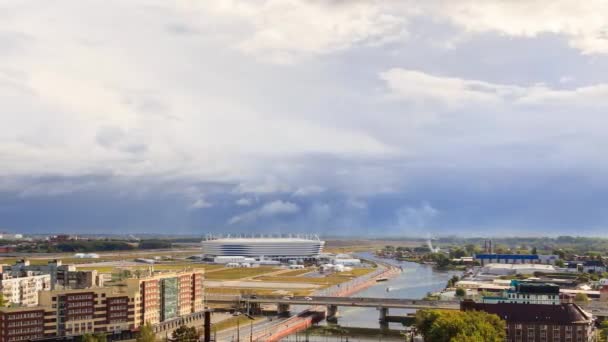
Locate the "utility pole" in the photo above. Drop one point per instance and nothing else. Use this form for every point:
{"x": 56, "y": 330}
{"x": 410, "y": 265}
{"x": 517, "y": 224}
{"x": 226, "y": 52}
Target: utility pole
{"x": 251, "y": 331}
{"x": 238, "y": 329}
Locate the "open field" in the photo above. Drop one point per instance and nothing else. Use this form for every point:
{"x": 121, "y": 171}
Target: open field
{"x": 250, "y": 291}
{"x": 68, "y": 258}
{"x": 239, "y": 273}
{"x": 329, "y": 280}
{"x": 105, "y": 268}
{"x": 351, "y": 246}
{"x": 296, "y": 273}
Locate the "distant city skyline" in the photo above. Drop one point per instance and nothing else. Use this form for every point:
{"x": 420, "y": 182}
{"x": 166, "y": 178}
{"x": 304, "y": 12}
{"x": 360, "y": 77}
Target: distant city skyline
{"x": 356, "y": 118}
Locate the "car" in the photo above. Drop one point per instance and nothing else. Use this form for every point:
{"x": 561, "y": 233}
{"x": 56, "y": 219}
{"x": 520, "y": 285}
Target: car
{"x": 307, "y": 298}
{"x": 287, "y": 297}
{"x": 236, "y": 313}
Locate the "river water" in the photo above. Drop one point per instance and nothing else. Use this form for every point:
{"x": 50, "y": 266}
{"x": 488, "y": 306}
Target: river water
{"x": 414, "y": 282}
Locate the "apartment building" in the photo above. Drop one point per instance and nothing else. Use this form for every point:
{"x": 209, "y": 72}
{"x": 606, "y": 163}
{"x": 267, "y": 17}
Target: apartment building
{"x": 24, "y": 290}
{"x": 62, "y": 276}
{"x": 101, "y": 310}
{"x": 166, "y": 296}
{"x": 25, "y": 324}
{"x": 119, "y": 309}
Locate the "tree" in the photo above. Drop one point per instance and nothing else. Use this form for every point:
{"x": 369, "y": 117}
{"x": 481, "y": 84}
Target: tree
{"x": 146, "y": 333}
{"x": 457, "y": 252}
{"x": 581, "y": 297}
{"x": 460, "y": 292}
{"x": 560, "y": 263}
{"x": 93, "y": 338}
{"x": 2, "y": 301}
{"x": 472, "y": 249}
{"x": 185, "y": 334}
{"x": 452, "y": 281}
{"x": 534, "y": 251}
{"x": 604, "y": 330}
{"x": 447, "y": 326}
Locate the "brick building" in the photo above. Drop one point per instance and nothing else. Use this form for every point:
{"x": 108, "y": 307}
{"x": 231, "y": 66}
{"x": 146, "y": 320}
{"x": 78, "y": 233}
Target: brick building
{"x": 24, "y": 324}
{"x": 79, "y": 312}
{"x": 166, "y": 296}
{"x": 541, "y": 322}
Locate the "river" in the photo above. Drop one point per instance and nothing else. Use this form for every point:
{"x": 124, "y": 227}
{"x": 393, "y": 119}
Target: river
{"x": 414, "y": 282}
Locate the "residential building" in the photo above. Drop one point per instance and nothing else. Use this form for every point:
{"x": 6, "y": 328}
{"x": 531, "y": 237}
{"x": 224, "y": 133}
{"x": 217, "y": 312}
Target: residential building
{"x": 540, "y": 322}
{"x": 26, "y": 324}
{"x": 165, "y": 296}
{"x": 24, "y": 290}
{"x": 62, "y": 276}
{"x": 106, "y": 310}
{"x": 119, "y": 309}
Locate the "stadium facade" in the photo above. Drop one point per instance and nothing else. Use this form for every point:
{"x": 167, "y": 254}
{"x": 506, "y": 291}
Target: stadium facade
{"x": 276, "y": 248}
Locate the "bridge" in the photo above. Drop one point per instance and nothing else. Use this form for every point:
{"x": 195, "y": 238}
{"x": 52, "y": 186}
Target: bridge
{"x": 252, "y": 303}
{"x": 391, "y": 303}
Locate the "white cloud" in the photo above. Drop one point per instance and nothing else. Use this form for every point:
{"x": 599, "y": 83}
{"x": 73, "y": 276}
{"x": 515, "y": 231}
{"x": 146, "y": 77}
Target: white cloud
{"x": 284, "y": 31}
{"x": 278, "y": 208}
{"x": 422, "y": 88}
{"x": 244, "y": 202}
{"x": 271, "y": 209}
{"x": 201, "y": 203}
{"x": 309, "y": 190}
{"x": 583, "y": 23}
{"x": 452, "y": 92}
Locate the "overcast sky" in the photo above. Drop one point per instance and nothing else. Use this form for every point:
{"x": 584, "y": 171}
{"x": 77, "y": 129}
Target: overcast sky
{"x": 332, "y": 117}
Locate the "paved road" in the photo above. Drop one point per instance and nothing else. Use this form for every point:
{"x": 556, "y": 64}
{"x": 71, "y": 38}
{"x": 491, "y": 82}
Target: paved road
{"x": 258, "y": 328}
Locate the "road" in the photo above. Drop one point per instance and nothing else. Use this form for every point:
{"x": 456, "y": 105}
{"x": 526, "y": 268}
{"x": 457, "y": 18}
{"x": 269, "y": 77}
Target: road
{"x": 258, "y": 328}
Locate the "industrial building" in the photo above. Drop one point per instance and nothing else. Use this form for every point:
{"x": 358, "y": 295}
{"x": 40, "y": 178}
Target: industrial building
{"x": 515, "y": 259}
{"x": 276, "y": 248}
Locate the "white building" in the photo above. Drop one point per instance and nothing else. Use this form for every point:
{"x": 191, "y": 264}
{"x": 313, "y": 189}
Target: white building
{"x": 86, "y": 255}
{"x": 510, "y": 269}
{"x": 347, "y": 262}
{"x": 232, "y": 259}
{"x": 257, "y": 247}
{"x": 24, "y": 290}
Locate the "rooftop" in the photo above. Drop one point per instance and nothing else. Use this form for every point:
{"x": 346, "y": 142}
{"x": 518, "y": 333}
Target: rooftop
{"x": 566, "y": 313}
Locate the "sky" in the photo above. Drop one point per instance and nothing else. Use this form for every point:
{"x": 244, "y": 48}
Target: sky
{"x": 336, "y": 117}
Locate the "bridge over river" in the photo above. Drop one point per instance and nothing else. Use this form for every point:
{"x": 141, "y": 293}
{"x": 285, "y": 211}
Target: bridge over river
{"x": 599, "y": 309}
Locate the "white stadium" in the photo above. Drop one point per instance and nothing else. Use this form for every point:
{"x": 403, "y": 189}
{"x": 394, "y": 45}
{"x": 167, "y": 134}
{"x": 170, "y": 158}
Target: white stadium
{"x": 263, "y": 247}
